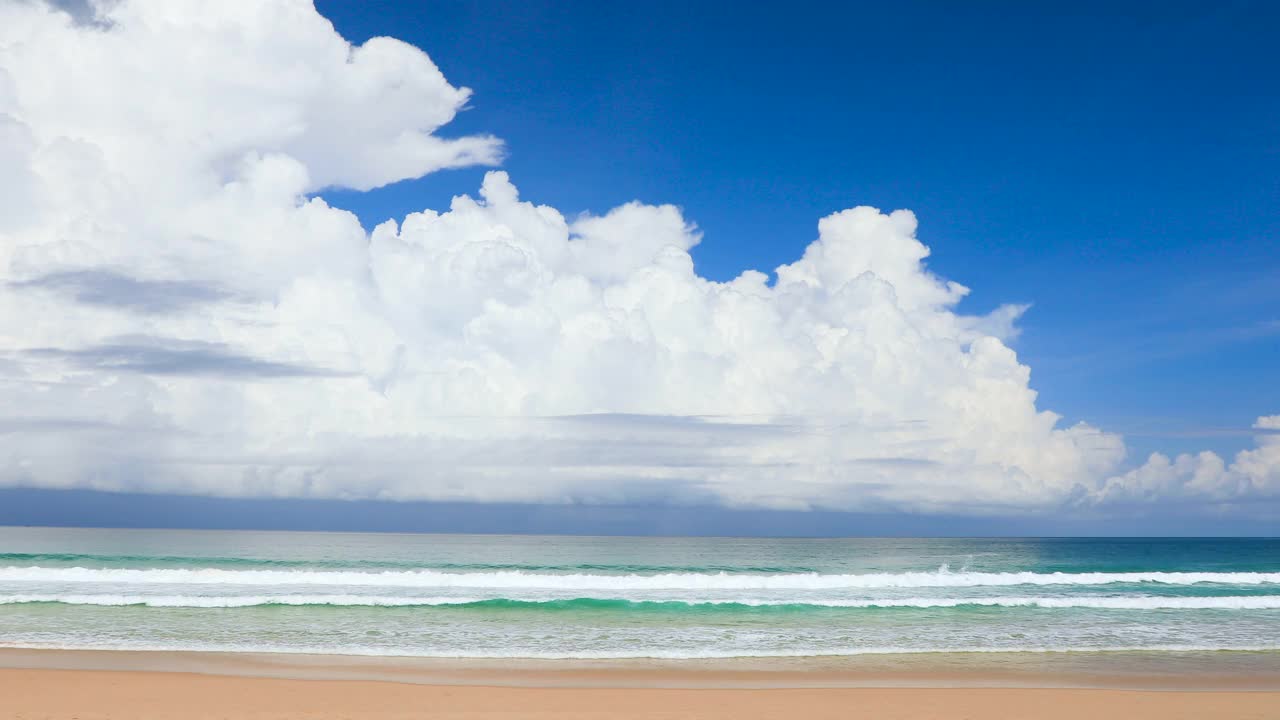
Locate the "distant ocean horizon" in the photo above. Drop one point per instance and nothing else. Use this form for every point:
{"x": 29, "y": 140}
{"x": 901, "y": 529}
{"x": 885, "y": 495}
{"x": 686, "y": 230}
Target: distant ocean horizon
{"x": 584, "y": 597}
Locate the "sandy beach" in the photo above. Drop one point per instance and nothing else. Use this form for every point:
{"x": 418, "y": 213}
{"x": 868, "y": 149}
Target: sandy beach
{"x": 107, "y": 685}
{"x": 133, "y": 695}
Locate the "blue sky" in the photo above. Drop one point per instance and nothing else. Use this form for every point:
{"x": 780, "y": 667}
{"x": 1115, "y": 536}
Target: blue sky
{"x": 237, "y": 353}
{"x": 1117, "y": 165}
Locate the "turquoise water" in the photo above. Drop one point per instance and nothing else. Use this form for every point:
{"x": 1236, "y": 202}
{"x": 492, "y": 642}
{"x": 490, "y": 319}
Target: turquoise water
{"x": 574, "y": 597}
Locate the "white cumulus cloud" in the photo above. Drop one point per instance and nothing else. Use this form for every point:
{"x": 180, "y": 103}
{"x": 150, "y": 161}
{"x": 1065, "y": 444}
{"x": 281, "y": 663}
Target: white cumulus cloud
{"x": 181, "y": 314}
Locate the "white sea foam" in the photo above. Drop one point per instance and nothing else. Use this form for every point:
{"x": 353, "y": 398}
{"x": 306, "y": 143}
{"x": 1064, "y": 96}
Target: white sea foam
{"x": 638, "y": 654}
{"x": 575, "y": 582}
{"x": 1264, "y": 602}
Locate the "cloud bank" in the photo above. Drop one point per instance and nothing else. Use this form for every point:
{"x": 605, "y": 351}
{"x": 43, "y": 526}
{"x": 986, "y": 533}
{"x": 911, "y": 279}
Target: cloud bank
{"x": 179, "y": 313}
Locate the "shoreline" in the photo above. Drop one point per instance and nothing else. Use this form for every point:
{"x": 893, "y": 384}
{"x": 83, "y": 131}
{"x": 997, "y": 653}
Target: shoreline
{"x": 1232, "y": 671}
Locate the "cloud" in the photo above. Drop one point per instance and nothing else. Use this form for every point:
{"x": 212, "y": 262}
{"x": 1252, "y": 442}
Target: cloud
{"x": 1254, "y": 473}
{"x": 159, "y": 356}
{"x": 104, "y": 287}
{"x": 169, "y": 287}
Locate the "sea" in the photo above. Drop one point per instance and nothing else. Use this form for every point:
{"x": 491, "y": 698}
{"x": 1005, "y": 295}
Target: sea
{"x": 595, "y": 598}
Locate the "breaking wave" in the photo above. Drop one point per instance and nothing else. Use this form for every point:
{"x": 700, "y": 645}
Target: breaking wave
{"x": 516, "y": 579}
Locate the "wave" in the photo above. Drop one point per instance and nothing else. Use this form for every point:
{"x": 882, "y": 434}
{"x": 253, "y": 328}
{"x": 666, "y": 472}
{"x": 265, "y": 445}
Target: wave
{"x": 1266, "y": 602}
{"x": 639, "y": 654}
{"x": 517, "y": 579}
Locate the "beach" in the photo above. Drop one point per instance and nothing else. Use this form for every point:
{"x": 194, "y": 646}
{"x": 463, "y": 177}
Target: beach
{"x": 639, "y": 360}
{"x": 186, "y": 624}
{"x": 55, "y": 694}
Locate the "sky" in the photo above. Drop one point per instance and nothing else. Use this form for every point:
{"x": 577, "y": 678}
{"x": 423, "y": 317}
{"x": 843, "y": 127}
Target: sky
{"x": 867, "y": 268}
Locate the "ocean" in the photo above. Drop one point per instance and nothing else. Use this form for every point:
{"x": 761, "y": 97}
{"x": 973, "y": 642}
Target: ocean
{"x": 489, "y": 596}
